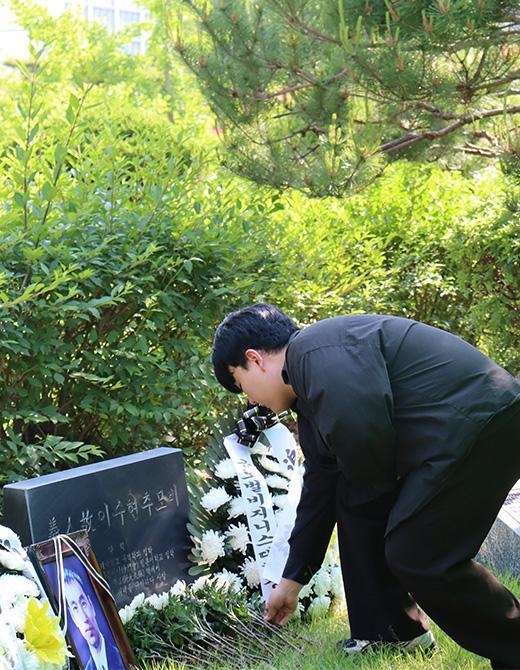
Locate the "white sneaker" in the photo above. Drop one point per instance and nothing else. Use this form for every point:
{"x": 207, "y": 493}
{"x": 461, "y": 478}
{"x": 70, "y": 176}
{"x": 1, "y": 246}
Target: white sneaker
{"x": 424, "y": 642}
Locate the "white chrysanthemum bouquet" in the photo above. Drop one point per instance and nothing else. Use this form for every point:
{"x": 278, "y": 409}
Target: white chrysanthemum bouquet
{"x": 209, "y": 622}
{"x": 222, "y": 545}
{"x": 30, "y": 635}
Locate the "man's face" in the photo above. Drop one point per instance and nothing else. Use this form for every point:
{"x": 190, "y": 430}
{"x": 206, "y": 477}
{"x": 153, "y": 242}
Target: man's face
{"x": 83, "y": 613}
{"x": 261, "y": 380}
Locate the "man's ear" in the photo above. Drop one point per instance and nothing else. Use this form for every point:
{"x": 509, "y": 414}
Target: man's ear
{"x": 254, "y": 356}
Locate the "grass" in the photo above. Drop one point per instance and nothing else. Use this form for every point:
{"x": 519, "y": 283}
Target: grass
{"x": 318, "y": 651}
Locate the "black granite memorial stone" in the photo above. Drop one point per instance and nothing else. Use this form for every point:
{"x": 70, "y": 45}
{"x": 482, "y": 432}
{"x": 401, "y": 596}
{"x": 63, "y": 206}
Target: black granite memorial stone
{"x": 501, "y": 549}
{"x": 135, "y": 509}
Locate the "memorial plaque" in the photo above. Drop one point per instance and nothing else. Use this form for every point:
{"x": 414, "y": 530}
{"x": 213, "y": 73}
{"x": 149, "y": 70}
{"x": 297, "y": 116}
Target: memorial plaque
{"x": 501, "y": 549}
{"x": 135, "y": 509}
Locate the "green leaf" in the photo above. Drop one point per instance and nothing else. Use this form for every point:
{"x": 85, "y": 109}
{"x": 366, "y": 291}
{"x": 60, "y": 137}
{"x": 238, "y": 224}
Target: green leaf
{"x": 194, "y": 531}
{"x": 59, "y": 153}
{"x": 70, "y": 114}
{"x": 48, "y": 191}
{"x": 20, "y": 199}
{"x": 73, "y": 102}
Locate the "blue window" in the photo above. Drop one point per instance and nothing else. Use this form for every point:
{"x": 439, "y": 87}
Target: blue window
{"x": 105, "y": 16}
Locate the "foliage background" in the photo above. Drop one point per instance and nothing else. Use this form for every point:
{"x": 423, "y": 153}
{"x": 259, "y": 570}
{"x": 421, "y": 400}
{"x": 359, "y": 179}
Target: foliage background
{"x": 323, "y": 96}
{"x": 124, "y": 242}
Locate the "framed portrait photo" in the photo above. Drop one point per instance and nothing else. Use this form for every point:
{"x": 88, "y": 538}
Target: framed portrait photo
{"x": 70, "y": 573}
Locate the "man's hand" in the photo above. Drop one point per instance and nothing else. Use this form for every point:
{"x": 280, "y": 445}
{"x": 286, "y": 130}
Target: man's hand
{"x": 282, "y": 602}
{"x": 253, "y": 421}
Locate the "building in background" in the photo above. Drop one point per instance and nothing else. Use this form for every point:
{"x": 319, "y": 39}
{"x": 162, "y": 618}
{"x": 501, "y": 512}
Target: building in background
{"x": 114, "y": 14}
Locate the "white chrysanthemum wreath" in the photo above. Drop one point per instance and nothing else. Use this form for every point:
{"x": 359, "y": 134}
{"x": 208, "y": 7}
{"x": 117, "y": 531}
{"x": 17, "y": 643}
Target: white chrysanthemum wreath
{"x": 218, "y": 524}
{"x": 30, "y": 634}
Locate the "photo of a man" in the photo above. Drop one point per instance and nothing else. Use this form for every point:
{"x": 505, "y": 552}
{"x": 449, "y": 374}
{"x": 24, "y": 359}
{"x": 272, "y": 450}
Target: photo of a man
{"x": 100, "y": 652}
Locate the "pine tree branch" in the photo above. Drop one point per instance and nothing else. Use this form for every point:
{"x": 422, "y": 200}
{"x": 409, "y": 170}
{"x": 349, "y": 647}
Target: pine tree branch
{"x": 511, "y": 91}
{"x": 413, "y": 138}
{"x": 496, "y": 83}
{"x": 483, "y": 135}
{"x": 206, "y": 27}
{"x": 480, "y": 65}
{"x": 478, "y": 151}
{"x": 513, "y": 76}
{"x": 310, "y": 151}
{"x": 375, "y": 74}
{"x": 435, "y": 111}
{"x": 309, "y": 128}
{"x": 298, "y": 87}
{"x": 295, "y": 22}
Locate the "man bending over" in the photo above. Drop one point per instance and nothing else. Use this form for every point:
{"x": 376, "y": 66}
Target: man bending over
{"x": 411, "y": 439}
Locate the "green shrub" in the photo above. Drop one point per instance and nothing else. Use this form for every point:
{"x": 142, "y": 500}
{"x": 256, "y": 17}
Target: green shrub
{"x": 119, "y": 253}
{"x": 420, "y": 243}
{"x": 123, "y": 244}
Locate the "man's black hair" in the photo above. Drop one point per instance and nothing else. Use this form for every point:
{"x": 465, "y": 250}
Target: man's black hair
{"x": 260, "y": 326}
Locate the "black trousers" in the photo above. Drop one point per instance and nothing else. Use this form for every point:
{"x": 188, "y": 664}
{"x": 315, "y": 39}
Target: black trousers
{"x": 427, "y": 559}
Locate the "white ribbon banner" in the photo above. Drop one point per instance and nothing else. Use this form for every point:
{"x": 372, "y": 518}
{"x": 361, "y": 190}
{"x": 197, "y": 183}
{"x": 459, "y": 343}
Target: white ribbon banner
{"x": 269, "y": 536}
{"x": 283, "y": 447}
{"x": 258, "y": 503}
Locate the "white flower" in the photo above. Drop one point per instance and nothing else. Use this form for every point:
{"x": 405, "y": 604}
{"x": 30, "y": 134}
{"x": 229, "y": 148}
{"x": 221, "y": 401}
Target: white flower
{"x": 9, "y": 646}
{"x": 14, "y": 587}
{"x": 179, "y": 588}
{"x": 11, "y": 561}
{"x": 225, "y": 469}
{"x": 281, "y": 500}
{"x": 138, "y": 601}
{"x": 237, "y": 507}
{"x": 228, "y": 580}
{"x": 336, "y": 579}
{"x": 322, "y": 582}
{"x": 319, "y": 606}
{"x": 126, "y": 614}
{"x": 200, "y": 583}
{"x": 9, "y": 539}
{"x": 15, "y": 591}
{"x": 158, "y": 600}
{"x": 29, "y": 659}
{"x": 277, "y": 482}
{"x": 18, "y": 615}
{"x": 215, "y": 498}
{"x": 270, "y": 464}
{"x": 306, "y": 591}
{"x": 212, "y": 546}
{"x": 250, "y": 571}
{"x": 238, "y": 538}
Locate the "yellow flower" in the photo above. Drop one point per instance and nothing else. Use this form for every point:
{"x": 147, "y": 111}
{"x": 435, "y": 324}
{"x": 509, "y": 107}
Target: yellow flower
{"x": 43, "y": 635}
